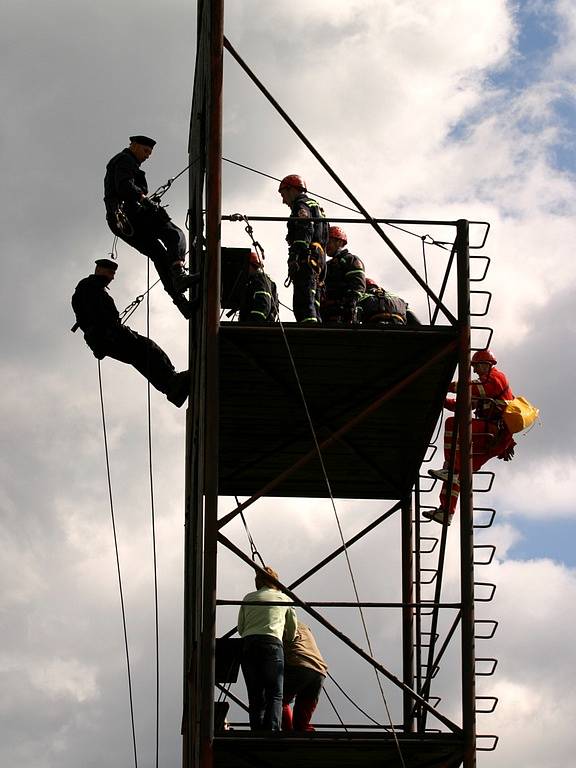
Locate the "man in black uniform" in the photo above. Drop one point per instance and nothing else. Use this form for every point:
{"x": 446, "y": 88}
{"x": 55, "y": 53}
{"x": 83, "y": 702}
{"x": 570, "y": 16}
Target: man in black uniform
{"x": 307, "y": 240}
{"x": 345, "y": 281}
{"x": 260, "y": 299}
{"x": 379, "y": 307}
{"x": 97, "y": 316}
{"x": 142, "y": 222}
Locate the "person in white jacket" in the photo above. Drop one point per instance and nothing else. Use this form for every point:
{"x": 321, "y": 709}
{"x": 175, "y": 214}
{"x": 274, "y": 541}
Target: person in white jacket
{"x": 262, "y": 628}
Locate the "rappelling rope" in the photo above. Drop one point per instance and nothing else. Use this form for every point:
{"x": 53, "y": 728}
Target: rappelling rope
{"x": 253, "y": 551}
{"x": 118, "y": 566}
{"x": 345, "y": 548}
{"x": 153, "y": 522}
{"x": 432, "y": 241}
{"x": 224, "y": 693}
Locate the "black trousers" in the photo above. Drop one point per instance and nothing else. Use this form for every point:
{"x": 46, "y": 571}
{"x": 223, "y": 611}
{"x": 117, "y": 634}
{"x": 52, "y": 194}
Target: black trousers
{"x": 127, "y": 346}
{"x": 160, "y": 240}
{"x": 306, "y": 301}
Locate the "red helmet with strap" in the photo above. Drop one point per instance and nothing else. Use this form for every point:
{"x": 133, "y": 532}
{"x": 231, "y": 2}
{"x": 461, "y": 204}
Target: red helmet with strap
{"x": 338, "y": 234}
{"x": 483, "y": 356}
{"x": 292, "y": 180}
{"x": 255, "y": 259}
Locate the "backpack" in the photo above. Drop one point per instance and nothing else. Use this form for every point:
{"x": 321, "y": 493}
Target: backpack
{"x": 519, "y": 414}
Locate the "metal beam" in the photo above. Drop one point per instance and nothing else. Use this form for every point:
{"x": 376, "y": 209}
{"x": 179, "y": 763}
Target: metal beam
{"x": 338, "y": 181}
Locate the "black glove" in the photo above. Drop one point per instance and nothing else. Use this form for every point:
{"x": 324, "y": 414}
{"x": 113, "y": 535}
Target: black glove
{"x": 508, "y": 454}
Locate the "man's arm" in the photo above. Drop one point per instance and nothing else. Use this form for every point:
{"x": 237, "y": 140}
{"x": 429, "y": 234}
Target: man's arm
{"x": 124, "y": 182}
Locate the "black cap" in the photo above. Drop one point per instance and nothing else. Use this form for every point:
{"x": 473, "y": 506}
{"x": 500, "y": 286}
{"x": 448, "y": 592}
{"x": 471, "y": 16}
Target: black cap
{"x": 107, "y": 263}
{"x": 148, "y": 142}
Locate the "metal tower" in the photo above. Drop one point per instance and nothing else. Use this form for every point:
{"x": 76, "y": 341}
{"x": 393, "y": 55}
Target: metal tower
{"x": 381, "y": 435}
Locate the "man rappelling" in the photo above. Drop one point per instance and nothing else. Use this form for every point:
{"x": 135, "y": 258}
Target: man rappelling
{"x": 143, "y": 223}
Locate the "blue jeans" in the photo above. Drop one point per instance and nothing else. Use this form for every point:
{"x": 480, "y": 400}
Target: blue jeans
{"x": 263, "y": 670}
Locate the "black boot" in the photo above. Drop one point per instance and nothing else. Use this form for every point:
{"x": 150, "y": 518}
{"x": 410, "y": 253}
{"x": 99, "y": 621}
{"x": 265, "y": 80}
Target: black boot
{"x": 179, "y": 389}
{"x": 181, "y": 280}
{"x": 186, "y": 307}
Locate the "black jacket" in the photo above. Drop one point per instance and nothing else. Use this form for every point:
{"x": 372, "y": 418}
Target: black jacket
{"x": 124, "y": 181}
{"x": 303, "y": 231}
{"x": 259, "y": 301}
{"x": 345, "y": 277}
{"x": 94, "y": 307}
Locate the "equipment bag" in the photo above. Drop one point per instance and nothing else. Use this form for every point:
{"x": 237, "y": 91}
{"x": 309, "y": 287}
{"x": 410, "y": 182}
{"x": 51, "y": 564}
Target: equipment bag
{"x": 519, "y": 414}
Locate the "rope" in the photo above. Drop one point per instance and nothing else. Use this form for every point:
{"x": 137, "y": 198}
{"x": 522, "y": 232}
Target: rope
{"x": 250, "y": 230}
{"x": 253, "y": 551}
{"x": 335, "y": 710}
{"x": 153, "y": 517}
{"x": 118, "y": 566}
{"x": 345, "y": 548}
{"x": 257, "y": 554}
{"x": 432, "y": 241}
{"x": 353, "y": 702}
{"x": 163, "y": 188}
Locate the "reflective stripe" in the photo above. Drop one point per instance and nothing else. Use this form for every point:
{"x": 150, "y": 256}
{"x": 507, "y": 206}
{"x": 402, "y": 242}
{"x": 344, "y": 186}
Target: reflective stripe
{"x": 262, "y": 293}
{"x": 255, "y": 312}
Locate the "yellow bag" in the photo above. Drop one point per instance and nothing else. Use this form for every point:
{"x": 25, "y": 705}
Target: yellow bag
{"x": 519, "y": 414}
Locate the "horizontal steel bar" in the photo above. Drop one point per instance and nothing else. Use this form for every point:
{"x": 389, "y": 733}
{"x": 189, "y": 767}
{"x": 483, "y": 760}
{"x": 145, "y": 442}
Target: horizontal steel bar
{"x": 342, "y": 604}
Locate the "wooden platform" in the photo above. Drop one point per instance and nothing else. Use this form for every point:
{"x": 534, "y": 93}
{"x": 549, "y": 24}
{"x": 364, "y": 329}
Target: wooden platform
{"x": 337, "y": 750}
{"x": 347, "y": 375}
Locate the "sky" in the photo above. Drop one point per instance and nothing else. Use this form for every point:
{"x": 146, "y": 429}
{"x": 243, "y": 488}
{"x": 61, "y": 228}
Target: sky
{"x": 459, "y": 109}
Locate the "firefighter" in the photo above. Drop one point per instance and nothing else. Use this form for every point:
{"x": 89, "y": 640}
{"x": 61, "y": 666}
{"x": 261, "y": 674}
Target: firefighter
{"x": 304, "y": 674}
{"x": 143, "y": 223}
{"x": 345, "y": 281}
{"x": 259, "y": 299}
{"x": 97, "y": 316}
{"x": 490, "y": 436}
{"x": 378, "y": 307}
{"x": 307, "y": 239}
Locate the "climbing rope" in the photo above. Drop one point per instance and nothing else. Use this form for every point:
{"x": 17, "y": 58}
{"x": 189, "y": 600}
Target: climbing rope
{"x": 153, "y": 523}
{"x": 345, "y": 548}
{"x": 253, "y": 551}
{"x": 118, "y": 565}
{"x": 223, "y": 693}
{"x": 250, "y": 230}
{"x": 432, "y": 241}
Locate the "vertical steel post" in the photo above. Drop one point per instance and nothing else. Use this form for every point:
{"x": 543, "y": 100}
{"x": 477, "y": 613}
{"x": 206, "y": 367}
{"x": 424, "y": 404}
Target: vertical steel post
{"x": 195, "y": 428}
{"x": 466, "y": 501}
{"x": 407, "y": 612}
{"x": 213, "y": 214}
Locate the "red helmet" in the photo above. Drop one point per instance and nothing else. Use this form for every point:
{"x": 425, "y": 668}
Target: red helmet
{"x": 293, "y": 180}
{"x": 338, "y": 234}
{"x": 483, "y": 356}
{"x": 255, "y": 259}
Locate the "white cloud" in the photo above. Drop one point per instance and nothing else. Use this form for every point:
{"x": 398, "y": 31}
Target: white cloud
{"x": 540, "y": 490}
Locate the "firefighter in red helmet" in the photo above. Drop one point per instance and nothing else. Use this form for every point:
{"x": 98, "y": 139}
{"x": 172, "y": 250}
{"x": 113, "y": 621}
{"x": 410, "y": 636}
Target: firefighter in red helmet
{"x": 345, "y": 280}
{"x": 307, "y": 239}
{"x": 490, "y": 436}
{"x": 379, "y": 307}
{"x": 259, "y": 298}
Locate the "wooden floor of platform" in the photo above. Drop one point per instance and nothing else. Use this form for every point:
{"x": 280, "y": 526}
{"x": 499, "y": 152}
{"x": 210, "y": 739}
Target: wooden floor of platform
{"x": 343, "y": 372}
{"x": 337, "y": 750}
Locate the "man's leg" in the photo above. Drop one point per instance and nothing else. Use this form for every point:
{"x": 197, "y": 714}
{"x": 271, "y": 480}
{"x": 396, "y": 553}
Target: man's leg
{"x": 307, "y": 698}
{"x": 304, "y": 304}
{"x": 143, "y": 354}
{"x": 252, "y": 671}
{"x": 272, "y": 661}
